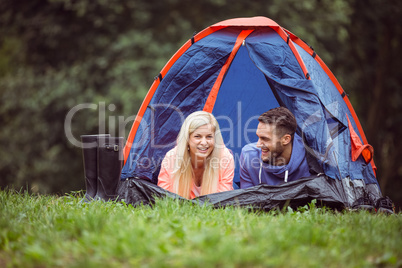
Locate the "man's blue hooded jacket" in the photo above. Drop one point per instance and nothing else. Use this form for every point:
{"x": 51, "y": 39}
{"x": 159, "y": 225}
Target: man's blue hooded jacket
{"x": 253, "y": 171}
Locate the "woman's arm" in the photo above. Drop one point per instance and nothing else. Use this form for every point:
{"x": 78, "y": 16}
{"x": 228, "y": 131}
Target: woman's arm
{"x": 165, "y": 178}
{"x": 227, "y": 173}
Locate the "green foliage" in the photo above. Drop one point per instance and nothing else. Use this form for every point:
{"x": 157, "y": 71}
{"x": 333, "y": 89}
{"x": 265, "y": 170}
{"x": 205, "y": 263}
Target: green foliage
{"x": 375, "y": 80}
{"x": 46, "y": 231}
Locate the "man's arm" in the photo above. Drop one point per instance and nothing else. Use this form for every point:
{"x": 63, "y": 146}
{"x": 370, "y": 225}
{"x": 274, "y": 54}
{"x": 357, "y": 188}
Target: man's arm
{"x": 245, "y": 178}
{"x": 165, "y": 178}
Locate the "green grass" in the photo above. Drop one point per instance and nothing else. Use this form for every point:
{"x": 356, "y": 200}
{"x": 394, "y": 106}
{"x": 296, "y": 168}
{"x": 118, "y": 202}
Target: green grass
{"x": 49, "y": 231}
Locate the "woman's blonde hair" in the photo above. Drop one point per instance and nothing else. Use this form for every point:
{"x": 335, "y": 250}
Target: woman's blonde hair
{"x": 183, "y": 171}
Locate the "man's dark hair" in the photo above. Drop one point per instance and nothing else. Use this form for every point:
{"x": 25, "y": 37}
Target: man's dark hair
{"x": 282, "y": 118}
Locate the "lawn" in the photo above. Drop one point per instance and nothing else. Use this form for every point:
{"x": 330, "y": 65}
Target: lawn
{"x": 59, "y": 231}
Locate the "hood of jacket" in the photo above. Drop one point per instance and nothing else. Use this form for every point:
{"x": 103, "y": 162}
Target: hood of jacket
{"x": 296, "y": 159}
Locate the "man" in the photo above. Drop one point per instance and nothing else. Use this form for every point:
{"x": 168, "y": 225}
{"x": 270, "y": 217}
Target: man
{"x": 278, "y": 156}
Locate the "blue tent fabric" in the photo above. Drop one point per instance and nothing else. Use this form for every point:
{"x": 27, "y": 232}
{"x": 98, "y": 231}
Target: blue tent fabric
{"x": 263, "y": 74}
{"x": 301, "y": 97}
{"x": 268, "y": 49}
{"x": 182, "y": 91}
{"x": 311, "y": 101}
{"x": 314, "y": 129}
{"x": 334, "y": 103}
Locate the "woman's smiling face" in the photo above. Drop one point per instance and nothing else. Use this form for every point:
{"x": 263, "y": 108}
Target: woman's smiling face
{"x": 202, "y": 142}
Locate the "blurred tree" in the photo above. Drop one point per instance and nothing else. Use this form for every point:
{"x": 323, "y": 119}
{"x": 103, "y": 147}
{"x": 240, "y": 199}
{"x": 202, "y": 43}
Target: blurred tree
{"x": 376, "y": 78}
{"x": 57, "y": 54}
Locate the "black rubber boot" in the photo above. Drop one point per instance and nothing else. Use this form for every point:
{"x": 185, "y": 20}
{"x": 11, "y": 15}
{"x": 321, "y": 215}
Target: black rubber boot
{"x": 385, "y": 205}
{"x": 110, "y": 163}
{"x": 90, "y": 156}
{"x": 365, "y": 202}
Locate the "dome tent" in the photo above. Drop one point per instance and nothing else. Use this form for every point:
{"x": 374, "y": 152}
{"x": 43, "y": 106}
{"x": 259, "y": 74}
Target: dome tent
{"x": 237, "y": 69}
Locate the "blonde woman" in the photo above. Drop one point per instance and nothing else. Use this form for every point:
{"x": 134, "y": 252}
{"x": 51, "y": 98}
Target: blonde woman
{"x": 200, "y": 163}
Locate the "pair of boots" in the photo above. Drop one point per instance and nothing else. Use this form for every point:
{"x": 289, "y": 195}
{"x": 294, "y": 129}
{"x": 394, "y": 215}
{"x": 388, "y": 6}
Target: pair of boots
{"x": 369, "y": 202}
{"x": 103, "y": 161}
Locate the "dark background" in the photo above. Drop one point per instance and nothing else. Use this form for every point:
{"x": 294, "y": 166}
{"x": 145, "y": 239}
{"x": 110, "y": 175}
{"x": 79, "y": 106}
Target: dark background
{"x": 56, "y": 54}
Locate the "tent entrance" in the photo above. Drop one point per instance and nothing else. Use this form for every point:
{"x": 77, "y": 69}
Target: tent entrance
{"x": 243, "y": 96}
